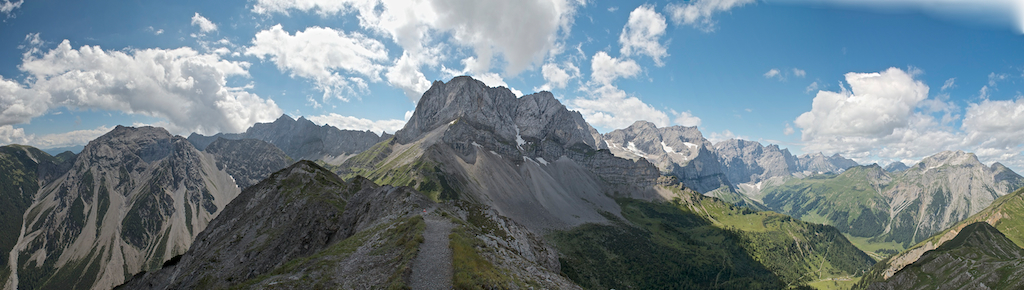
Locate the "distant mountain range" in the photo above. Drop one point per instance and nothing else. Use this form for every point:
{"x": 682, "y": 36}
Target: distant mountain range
{"x": 483, "y": 189}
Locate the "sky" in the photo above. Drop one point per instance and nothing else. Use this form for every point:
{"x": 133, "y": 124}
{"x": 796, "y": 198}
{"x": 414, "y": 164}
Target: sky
{"x": 873, "y": 80}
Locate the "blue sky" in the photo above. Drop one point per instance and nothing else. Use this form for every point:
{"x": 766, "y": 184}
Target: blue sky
{"x": 878, "y": 81}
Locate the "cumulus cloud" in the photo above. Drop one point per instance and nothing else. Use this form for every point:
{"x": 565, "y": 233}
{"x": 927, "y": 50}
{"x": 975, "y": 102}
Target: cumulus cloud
{"x": 6, "y": 7}
{"x": 642, "y": 33}
{"x": 185, "y": 87}
{"x": 698, "y": 13}
{"x": 686, "y": 119}
{"x": 788, "y": 130}
{"x": 773, "y": 73}
{"x": 354, "y": 123}
{"x": 716, "y": 137}
{"x": 885, "y": 114}
{"x": 205, "y": 25}
{"x": 607, "y": 106}
{"x": 520, "y": 32}
{"x": 11, "y": 135}
{"x": 557, "y": 77}
{"x": 877, "y": 104}
{"x": 996, "y": 127}
{"x": 606, "y": 69}
{"x": 337, "y": 62}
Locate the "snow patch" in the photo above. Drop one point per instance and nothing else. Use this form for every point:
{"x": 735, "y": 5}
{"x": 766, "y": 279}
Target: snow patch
{"x": 519, "y": 139}
{"x": 691, "y": 145}
{"x": 542, "y": 161}
{"x": 477, "y": 145}
{"x": 495, "y": 153}
{"x": 632, "y": 148}
{"x": 528, "y": 159}
{"x": 668, "y": 149}
{"x": 453, "y": 122}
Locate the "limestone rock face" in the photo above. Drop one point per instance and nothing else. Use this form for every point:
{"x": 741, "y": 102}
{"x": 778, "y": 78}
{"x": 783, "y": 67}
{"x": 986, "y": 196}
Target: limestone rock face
{"x": 819, "y": 163}
{"x": 681, "y": 151}
{"x": 749, "y": 161}
{"x": 133, "y": 198}
{"x": 942, "y": 190}
{"x": 302, "y": 139}
{"x": 247, "y": 160}
{"x": 528, "y": 158}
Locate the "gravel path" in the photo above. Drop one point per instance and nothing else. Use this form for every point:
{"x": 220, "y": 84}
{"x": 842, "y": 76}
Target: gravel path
{"x": 432, "y": 268}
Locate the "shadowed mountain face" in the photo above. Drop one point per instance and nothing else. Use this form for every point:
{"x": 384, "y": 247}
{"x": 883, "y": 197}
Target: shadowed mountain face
{"x": 22, "y": 170}
{"x": 979, "y": 257}
{"x": 247, "y": 160}
{"x": 133, "y": 198}
{"x": 301, "y": 139}
{"x": 304, "y": 228}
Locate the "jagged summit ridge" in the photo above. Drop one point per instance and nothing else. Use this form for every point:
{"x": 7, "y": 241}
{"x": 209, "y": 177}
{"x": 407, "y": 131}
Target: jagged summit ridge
{"x": 678, "y": 150}
{"x": 506, "y": 119}
{"x": 302, "y": 139}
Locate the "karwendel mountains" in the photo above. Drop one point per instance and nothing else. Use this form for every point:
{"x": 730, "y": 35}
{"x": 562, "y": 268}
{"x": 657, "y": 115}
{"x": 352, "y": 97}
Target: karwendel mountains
{"x": 485, "y": 190}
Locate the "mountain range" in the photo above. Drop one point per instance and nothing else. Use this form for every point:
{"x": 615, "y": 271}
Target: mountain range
{"x": 480, "y": 189}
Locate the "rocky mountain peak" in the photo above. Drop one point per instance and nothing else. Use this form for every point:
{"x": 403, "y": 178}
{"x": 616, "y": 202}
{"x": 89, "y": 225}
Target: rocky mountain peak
{"x": 896, "y": 166}
{"x": 952, "y": 158}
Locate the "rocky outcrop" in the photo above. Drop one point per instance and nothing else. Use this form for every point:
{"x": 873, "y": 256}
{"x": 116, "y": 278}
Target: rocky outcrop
{"x": 302, "y": 139}
{"x": 133, "y": 198}
{"x": 677, "y": 150}
{"x": 247, "y": 160}
{"x": 748, "y": 161}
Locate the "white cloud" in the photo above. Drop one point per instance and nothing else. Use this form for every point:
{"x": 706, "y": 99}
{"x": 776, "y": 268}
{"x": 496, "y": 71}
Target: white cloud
{"x": 353, "y": 123}
{"x": 811, "y": 87}
{"x": 613, "y": 9}
{"x": 997, "y": 127}
{"x": 799, "y": 72}
{"x": 773, "y": 73}
{"x": 716, "y": 137}
{"x": 950, "y": 83}
{"x": 686, "y": 119}
{"x": 886, "y": 115}
{"x": 698, "y": 13}
{"x": 642, "y": 33}
{"x": 495, "y": 80}
{"x": 557, "y": 77}
{"x": 11, "y": 135}
{"x": 406, "y": 75}
{"x": 789, "y": 130}
{"x": 328, "y": 57}
{"x": 606, "y": 69}
{"x": 608, "y": 107}
{"x": 205, "y": 25}
{"x": 6, "y": 7}
{"x": 181, "y": 85}
{"x": 876, "y": 105}
{"x": 521, "y": 32}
